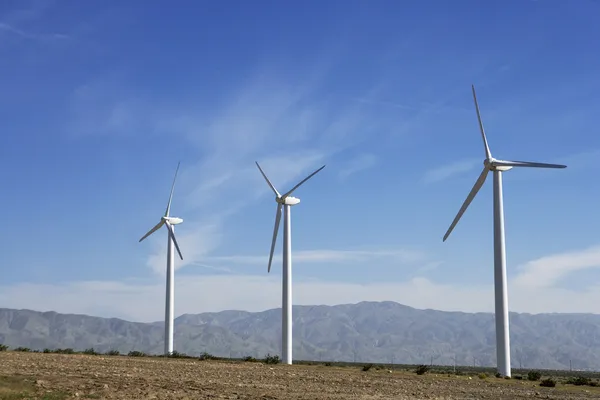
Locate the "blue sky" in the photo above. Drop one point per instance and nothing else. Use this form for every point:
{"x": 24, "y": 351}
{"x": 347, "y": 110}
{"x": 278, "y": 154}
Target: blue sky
{"x": 101, "y": 99}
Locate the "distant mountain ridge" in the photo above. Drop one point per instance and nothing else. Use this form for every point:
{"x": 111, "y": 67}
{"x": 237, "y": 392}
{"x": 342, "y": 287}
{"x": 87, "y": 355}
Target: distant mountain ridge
{"x": 382, "y": 332}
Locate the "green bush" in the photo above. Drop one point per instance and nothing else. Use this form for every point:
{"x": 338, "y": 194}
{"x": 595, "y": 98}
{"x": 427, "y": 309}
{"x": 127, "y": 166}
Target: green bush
{"x": 23, "y": 349}
{"x": 579, "y": 381}
{"x": 483, "y": 375}
{"x": 90, "y": 352}
{"x": 534, "y": 375}
{"x": 548, "y": 382}
{"x": 249, "y": 359}
{"x": 518, "y": 377}
{"x": 113, "y": 353}
{"x": 367, "y": 367}
{"x": 328, "y": 364}
{"x": 135, "y": 353}
{"x": 207, "y": 356}
{"x": 269, "y": 359}
{"x": 3, "y": 347}
{"x": 65, "y": 351}
{"x": 421, "y": 369}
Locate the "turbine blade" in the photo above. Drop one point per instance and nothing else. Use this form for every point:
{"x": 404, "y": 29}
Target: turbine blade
{"x": 275, "y": 231}
{"x": 172, "y": 235}
{"x": 151, "y": 231}
{"x": 301, "y": 182}
{"x": 267, "y": 179}
{"x": 488, "y": 153}
{"x": 502, "y": 163}
{"x": 470, "y": 197}
{"x": 171, "y": 195}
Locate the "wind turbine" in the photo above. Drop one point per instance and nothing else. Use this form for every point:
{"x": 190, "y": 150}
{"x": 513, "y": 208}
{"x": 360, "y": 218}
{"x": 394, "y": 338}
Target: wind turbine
{"x": 169, "y": 222}
{"x": 500, "y": 288}
{"x": 286, "y": 202}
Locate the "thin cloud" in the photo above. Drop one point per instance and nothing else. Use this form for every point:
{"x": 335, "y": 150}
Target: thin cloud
{"x": 449, "y": 170}
{"x": 547, "y": 271}
{"x": 358, "y": 164}
{"x": 327, "y": 256}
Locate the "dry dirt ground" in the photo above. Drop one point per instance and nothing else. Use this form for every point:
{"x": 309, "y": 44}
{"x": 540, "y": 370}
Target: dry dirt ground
{"x": 58, "y": 376}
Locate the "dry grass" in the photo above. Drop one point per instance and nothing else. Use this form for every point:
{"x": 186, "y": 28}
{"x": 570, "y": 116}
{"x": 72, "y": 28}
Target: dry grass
{"x": 59, "y": 376}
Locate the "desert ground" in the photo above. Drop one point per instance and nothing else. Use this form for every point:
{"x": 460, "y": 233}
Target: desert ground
{"x": 60, "y": 376}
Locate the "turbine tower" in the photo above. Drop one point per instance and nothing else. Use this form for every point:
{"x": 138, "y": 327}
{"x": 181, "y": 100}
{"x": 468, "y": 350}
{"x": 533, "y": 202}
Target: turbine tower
{"x": 500, "y": 288}
{"x": 169, "y": 222}
{"x": 286, "y": 202}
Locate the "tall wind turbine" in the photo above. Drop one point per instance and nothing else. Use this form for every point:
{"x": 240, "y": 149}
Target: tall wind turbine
{"x": 286, "y": 202}
{"x": 501, "y": 296}
{"x": 169, "y": 222}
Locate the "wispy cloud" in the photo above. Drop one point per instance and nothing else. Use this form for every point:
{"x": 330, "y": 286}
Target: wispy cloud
{"x": 447, "y": 171}
{"x": 547, "y": 271}
{"x": 328, "y": 256}
{"x": 357, "y": 164}
{"x": 4, "y": 27}
{"x": 290, "y": 129}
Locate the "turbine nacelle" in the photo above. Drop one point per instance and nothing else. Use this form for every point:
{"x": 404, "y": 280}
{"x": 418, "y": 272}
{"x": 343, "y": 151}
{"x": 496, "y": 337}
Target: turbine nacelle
{"x": 288, "y": 201}
{"x": 172, "y": 220}
{"x": 496, "y": 165}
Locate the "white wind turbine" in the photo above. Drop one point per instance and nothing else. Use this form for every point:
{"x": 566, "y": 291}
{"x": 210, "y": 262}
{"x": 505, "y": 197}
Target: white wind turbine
{"x": 286, "y": 202}
{"x": 169, "y": 221}
{"x": 500, "y": 288}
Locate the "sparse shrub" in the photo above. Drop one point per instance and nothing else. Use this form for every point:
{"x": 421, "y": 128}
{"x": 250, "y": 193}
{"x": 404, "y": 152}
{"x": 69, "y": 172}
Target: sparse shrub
{"x": 507, "y": 377}
{"x": 269, "y": 359}
{"x": 23, "y": 349}
{"x": 518, "y": 377}
{"x": 593, "y": 383}
{"x": 207, "y": 356}
{"x": 421, "y": 369}
{"x": 47, "y": 351}
{"x": 90, "y": 352}
{"x": 482, "y": 375}
{"x": 367, "y": 367}
{"x": 548, "y": 382}
{"x": 498, "y": 375}
{"x": 113, "y": 353}
{"x": 534, "y": 375}
{"x": 328, "y": 364}
{"x": 135, "y": 353}
{"x": 3, "y": 347}
{"x": 249, "y": 359}
{"x": 579, "y": 381}
{"x": 65, "y": 351}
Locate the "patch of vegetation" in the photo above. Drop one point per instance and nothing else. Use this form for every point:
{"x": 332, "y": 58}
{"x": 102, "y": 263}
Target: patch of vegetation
{"x": 534, "y": 375}
{"x": 135, "y": 353}
{"x": 328, "y": 364}
{"x": 421, "y": 369}
{"x": 91, "y": 352}
{"x": 15, "y": 387}
{"x": 269, "y": 359}
{"x": 581, "y": 381}
{"x": 367, "y": 367}
{"x": 208, "y": 356}
{"x": 113, "y": 353}
{"x": 3, "y": 347}
{"x": 55, "y": 396}
{"x": 177, "y": 354}
{"x": 482, "y": 375}
{"x": 249, "y": 359}
{"x": 65, "y": 351}
{"x": 23, "y": 349}
{"x": 548, "y": 382}
{"x": 518, "y": 377}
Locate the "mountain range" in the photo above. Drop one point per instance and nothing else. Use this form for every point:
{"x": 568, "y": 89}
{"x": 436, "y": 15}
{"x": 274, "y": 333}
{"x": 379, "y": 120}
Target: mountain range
{"x": 378, "y": 332}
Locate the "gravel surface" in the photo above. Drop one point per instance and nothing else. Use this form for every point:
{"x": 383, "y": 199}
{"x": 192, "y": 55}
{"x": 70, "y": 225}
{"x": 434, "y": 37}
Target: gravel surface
{"x": 119, "y": 377}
